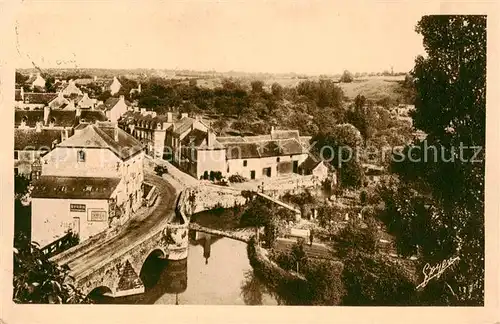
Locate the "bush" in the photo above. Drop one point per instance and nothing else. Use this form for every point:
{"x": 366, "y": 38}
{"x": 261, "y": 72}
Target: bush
{"x": 236, "y": 178}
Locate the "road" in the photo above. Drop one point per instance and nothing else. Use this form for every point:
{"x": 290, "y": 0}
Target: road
{"x": 161, "y": 212}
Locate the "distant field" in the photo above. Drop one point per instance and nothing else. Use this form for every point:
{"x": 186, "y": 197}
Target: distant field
{"x": 373, "y": 88}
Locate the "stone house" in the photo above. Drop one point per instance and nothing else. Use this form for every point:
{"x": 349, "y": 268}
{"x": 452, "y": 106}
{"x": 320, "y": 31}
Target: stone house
{"x": 89, "y": 182}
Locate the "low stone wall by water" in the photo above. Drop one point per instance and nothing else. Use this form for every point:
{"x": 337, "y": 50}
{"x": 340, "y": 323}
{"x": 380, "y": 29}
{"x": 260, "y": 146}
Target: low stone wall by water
{"x": 290, "y": 285}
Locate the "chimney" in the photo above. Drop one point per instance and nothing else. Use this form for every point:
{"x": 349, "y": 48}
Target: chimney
{"x": 210, "y": 138}
{"x": 78, "y": 112}
{"x": 54, "y": 143}
{"x": 22, "y": 94}
{"x": 38, "y": 126}
{"x": 66, "y": 133}
{"x": 169, "y": 117}
{"x": 116, "y": 132}
{"x": 184, "y": 115}
{"x": 46, "y": 113}
{"x": 122, "y": 98}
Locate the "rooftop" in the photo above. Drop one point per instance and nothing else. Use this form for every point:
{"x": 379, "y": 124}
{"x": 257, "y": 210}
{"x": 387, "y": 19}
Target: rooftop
{"x": 103, "y": 136}
{"x": 39, "y": 98}
{"x": 30, "y": 139}
{"x": 74, "y": 187}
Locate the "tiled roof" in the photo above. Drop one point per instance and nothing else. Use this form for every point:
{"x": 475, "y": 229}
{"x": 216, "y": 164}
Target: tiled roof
{"x": 92, "y": 116}
{"x": 195, "y": 137}
{"x": 84, "y": 81}
{"x": 285, "y": 134}
{"x": 32, "y": 117}
{"x": 103, "y": 137}
{"x": 63, "y": 118}
{"x": 81, "y": 126}
{"x": 182, "y": 125}
{"x": 30, "y": 139}
{"x": 310, "y": 163}
{"x": 39, "y": 98}
{"x": 109, "y": 104}
{"x": 74, "y": 187}
{"x": 244, "y": 150}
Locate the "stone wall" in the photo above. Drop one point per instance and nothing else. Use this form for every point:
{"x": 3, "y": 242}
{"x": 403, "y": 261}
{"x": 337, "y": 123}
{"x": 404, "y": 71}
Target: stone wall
{"x": 205, "y": 197}
{"x": 123, "y": 272}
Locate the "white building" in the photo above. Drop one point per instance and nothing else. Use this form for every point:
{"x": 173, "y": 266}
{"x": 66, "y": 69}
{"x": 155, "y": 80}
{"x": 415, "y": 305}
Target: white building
{"x": 252, "y": 157}
{"x": 114, "y": 108}
{"x": 89, "y": 182}
{"x": 113, "y": 87}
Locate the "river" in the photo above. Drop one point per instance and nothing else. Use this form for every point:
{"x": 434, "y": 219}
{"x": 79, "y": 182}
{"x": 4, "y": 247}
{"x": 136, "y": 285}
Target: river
{"x": 216, "y": 272}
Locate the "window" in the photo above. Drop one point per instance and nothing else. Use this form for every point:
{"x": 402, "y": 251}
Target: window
{"x": 81, "y": 156}
{"x": 245, "y": 163}
{"x": 277, "y": 159}
{"x": 16, "y": 155}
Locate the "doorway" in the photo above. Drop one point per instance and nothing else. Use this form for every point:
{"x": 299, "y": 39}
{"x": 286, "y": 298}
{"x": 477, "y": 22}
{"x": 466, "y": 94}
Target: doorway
{"x": 252, "y": 174}
{"x": 266, "y": 172}
{"x": 295, "y": 166}
{"x": 76, "y": 226}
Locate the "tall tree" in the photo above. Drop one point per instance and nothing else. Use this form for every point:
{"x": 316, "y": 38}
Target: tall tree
{"x": 438, "y": 208}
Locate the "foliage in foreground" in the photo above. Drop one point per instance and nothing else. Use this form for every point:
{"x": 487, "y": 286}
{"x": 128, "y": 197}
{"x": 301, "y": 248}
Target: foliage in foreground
{"x": 38, "y": 280}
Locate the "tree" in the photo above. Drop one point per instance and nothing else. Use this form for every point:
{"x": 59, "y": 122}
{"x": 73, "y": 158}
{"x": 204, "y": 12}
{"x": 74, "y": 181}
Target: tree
{"x": 346, "y": 77}
{"x": 324, "y": 280}
{"x": 20, "y": 78}
{"x": 219, "y": 125}
{"x": 257, "y": 86}
{"x": 341, "y": 146}
{"x": 445, "y": 197}
{"x": 40, "y": 281}
{"x": 49, "y": 83}
{"x": 104, "y": 96}
{"x": 277, "y": 90}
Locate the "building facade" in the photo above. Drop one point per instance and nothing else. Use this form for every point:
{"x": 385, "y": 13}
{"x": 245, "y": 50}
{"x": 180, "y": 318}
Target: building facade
{"x": 97, "y": 174}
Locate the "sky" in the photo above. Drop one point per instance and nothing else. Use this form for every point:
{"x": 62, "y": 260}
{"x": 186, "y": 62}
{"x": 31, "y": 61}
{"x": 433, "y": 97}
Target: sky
{"x": 281, "y": 36}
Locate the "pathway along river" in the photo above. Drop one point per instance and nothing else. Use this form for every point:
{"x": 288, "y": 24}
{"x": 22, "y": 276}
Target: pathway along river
{"x": 216, "y": 272}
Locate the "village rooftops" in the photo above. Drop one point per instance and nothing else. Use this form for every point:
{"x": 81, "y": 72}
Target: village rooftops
{"x": 39, "y": 97}
{"x": 110, "y": 103}
{"x": 31, "y": 140}
{"x": 103, "y": 136}
{"x": 245, "y": 150}
{"x": 198, "y": 139}
{"x": 74, "y": 187}
{"x": 91, "y": 116}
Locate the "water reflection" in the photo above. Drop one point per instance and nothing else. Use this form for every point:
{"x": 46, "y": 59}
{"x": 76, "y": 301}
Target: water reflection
{"x": 219, "y": 274}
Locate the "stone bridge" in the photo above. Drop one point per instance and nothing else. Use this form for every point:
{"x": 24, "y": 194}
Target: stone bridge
{"x": 113, "y": 264}
{"x": 121, "y": 275}
{"x": 115, "y": 267}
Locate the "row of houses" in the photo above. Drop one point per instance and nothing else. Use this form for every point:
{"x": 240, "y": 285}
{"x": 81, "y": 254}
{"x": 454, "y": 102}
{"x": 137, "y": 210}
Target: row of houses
{"x": 37, "y": 82}
{"x": 191, "y": 144}
{"x": 88, "y": 182}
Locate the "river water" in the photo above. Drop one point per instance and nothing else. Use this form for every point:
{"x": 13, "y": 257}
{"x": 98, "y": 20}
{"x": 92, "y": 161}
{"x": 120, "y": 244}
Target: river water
{"x": 216, "y": 272}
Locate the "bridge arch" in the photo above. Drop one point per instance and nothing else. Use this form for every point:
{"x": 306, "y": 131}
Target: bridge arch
{"x": 152, "y": 266}
{"x": 100, "y": 292}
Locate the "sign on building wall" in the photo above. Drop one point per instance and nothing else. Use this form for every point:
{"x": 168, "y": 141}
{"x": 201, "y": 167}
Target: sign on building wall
{"x": 97, "y": 216}
{"x": 77, "y": 208}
